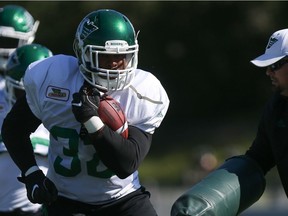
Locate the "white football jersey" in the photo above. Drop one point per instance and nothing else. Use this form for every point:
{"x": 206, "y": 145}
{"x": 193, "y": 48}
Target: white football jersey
{"x": 12, "y": 192}
{"x": 75, "y": 167}
{"x": 4, "y": 105}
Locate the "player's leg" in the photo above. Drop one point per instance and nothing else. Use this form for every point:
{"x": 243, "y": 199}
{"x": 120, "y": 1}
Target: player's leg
{"x": 61, "y": 207}
{"x": 135, "y": 204}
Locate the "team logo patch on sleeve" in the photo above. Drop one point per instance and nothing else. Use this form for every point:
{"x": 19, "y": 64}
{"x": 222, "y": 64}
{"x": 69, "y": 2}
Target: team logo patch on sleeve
{"x": 57, "y": 93}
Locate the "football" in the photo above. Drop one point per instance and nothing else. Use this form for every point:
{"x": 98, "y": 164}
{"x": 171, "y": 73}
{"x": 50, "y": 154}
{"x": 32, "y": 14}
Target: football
{"x": 111, "y": 113}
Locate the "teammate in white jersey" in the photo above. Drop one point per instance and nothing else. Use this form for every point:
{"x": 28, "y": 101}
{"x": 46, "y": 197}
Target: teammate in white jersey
{"x": 17, "y": 28}
{"x": 93, "y": 168}
{"x": 12, "y": 192}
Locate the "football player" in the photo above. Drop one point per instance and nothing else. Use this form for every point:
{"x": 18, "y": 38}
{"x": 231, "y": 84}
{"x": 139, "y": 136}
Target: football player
{"x": 17, "y": 28}
{"x": 93, "y": 170}
{"x": 12, "y": 192}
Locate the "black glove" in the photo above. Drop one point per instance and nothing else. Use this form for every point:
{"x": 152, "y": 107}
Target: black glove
{"x": 39, "y": 188}
{"x": 85, "y": 103}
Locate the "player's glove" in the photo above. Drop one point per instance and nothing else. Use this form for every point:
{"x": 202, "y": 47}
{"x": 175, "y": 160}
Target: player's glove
{"x": 39, "y": 188}
{"x": 85, "y": 103}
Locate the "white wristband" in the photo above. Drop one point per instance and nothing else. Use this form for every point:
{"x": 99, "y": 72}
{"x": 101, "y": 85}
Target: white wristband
{"x": 93, "y": 124}
{"x": 31, "y": 170}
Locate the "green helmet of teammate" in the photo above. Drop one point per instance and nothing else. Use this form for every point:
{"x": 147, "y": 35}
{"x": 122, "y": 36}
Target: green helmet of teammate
{"x": 106, "y": 32}
{"x": 17, "y": 64}
{"x": 17, "y": 28}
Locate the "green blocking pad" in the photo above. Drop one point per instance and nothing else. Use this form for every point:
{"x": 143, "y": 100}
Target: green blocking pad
{"x": 227, "y": 191}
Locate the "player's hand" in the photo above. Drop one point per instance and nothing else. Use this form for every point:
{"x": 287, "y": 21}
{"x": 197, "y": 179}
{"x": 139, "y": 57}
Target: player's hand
{"x": 85, "y": 103}
{"x": 39, "y": 188}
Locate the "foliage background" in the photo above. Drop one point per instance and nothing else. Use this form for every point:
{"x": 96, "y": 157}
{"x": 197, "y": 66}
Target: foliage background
{"x": 201, "y": 52}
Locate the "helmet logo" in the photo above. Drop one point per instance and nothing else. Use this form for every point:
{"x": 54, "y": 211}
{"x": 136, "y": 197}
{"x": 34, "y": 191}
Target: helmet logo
{"x": 87, "y": 28}
{"x": 14, "y": 59}
{"x": 272, "y": 41}
{"x": 29, "y": 20}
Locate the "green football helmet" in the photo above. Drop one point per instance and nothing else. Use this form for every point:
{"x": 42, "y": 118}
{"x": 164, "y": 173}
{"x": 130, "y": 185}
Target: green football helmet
{"x": 17, "y": 64}
{"x": 17, "y": 28}
{"x": 106, "y": 32}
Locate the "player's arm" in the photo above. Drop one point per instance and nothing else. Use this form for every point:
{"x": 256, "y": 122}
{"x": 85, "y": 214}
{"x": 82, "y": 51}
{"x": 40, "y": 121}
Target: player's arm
{"x": 260, "y": 150}
{"x": 19, "y": 123}
{"x": 122, "y": 156}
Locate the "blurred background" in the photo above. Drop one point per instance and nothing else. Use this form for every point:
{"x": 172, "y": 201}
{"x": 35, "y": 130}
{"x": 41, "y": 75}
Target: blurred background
{"x": 201, "y": 52}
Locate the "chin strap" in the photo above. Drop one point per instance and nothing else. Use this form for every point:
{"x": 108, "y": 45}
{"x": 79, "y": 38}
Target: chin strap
{"x": 144, "y": 97}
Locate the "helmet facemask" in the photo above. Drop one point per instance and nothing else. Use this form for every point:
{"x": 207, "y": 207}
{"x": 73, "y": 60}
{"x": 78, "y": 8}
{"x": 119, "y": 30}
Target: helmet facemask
{"x": 106, "y": 78}
{"x": 22, "y": 37}
{"x": 11, "y": 39}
